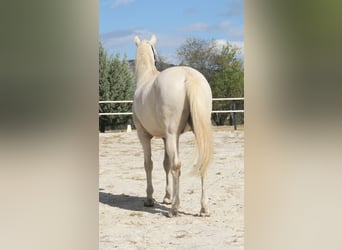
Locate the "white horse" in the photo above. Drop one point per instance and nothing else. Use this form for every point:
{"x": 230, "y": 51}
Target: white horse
{"x": 165, "y": 105}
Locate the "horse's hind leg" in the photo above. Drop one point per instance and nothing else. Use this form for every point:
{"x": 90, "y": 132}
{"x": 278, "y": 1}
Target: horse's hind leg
{"x": 204, "y": 208}
{"x": 166, "y": 164}
{"x": 145, "y": 140}
{"x": 171, "y": 146}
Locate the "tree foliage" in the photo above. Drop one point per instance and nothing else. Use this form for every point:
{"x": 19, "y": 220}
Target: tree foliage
{"x": 222, "y": 68}
{"x": 227, "y": 81}
{"x": 199, "y": 54}
{"x": 116, "y": 82}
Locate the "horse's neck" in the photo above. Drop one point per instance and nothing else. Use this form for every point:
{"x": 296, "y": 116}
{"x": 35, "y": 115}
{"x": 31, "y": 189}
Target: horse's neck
{"x": 145, "y": 71}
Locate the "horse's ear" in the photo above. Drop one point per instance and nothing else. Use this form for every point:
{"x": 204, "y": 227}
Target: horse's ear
{"x": 136, "y": 40}
{"x": 153, "y": 40}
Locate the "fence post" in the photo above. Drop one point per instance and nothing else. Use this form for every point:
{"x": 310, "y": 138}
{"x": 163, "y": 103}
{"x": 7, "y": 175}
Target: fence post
{"x": 234, "y": 115}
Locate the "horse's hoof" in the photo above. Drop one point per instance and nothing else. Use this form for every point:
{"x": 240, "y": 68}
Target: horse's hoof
{"x": 167, "y": 201}
{"x": 204, "y": 212}
{"x": 172, "y": 213}
{"x": 149, "y": 203}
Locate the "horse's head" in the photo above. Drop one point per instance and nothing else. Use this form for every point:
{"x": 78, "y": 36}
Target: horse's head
{"x": 146, "y": 49}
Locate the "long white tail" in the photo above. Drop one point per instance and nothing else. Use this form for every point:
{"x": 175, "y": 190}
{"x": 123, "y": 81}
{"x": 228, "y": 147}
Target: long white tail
{"x": 199, "y": 95}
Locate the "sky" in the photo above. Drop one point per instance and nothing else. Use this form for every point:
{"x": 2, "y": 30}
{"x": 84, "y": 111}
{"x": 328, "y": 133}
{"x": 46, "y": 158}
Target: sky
{"x": 171, "y": 21}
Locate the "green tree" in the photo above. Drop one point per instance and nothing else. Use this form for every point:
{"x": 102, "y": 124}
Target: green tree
{"x": 228, "y": 81}
{"x": 116, "y": 83}
{"x": 222, "y": 68}
{"x": 199, "y": 54}
{"x": 121, "y": 81}
{"x": 103, "y": 87}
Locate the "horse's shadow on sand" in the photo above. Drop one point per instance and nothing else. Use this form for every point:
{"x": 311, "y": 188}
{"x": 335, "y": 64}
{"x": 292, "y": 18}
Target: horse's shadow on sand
{"x": 132, "y": 203}
{"x": 136, "y": 203}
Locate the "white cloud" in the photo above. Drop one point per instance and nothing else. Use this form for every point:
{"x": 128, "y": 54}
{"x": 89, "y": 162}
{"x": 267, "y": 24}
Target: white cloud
{"x": 239, "y": 44}
{"x": 233, "y": 32}
{"x": 220, "y": 43}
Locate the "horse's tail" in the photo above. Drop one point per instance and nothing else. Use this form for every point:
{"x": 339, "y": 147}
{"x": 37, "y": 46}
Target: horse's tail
{"x": 199, "y": 96}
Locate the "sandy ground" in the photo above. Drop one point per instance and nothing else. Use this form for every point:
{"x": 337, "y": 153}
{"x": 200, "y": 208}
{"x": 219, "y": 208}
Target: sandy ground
{"x": 126, "y": 224}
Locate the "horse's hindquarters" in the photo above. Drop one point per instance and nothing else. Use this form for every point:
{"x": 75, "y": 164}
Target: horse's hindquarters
{"x": 173, "y": 106}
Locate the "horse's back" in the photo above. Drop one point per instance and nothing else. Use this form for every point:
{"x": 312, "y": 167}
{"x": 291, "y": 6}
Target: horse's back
{"x": 166, "y": 106}
{"x": 171, "y": 83}
{"x": 181, "y": 73}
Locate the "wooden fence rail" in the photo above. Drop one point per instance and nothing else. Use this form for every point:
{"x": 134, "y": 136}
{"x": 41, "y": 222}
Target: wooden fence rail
{"x": 233, "y": 111}
{"x": 214, "y": 111}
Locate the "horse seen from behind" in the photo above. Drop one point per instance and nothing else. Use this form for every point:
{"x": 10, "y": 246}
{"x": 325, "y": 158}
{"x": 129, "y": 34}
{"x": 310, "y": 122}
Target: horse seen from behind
{"x": 165, "y": 105}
